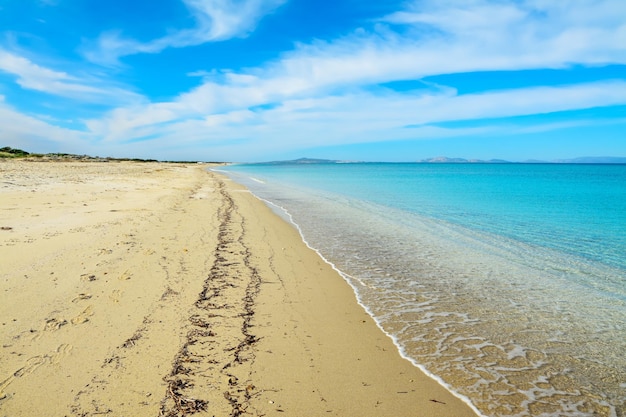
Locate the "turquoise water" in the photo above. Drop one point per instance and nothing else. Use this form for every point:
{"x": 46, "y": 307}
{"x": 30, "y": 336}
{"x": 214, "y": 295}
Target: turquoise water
{"x": 505, "y": 282}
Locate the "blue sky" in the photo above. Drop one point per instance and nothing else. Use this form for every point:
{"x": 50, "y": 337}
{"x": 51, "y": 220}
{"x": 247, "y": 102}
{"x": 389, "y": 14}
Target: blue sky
{"x": 256, "y": 80}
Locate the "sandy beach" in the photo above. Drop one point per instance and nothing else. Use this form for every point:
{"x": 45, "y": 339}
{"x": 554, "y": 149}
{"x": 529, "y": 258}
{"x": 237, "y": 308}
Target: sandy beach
{"x": 155, "y": 289}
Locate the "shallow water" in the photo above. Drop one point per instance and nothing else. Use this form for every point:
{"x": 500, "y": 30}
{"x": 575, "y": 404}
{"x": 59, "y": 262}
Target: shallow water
{"x": 506, "y": 282}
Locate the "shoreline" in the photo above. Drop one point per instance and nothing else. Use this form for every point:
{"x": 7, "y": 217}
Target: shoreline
{"x": 165, "y": 289}
{"x": 506, "y": 323}
{"x": 350, "y": 280}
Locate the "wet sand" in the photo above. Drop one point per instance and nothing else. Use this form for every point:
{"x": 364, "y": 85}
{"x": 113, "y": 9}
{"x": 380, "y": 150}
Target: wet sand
{"x": 151, "y": 289}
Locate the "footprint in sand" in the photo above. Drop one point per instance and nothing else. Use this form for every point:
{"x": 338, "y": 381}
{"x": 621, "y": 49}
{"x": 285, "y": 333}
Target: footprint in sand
{"x": 33, "y": 363}
{"x": 87, "y": 277}
{"x": 83, "y": 317}
{"x": 61, "y": 352}
{"x": 125, "y": 276}
{"x": 115, "y": 296}
{"x": 80, "y": 297}
{"x": 54, "y": 324}
{"x": 30, "y": 366}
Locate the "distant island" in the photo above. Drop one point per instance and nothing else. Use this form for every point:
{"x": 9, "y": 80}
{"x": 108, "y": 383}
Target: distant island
{"x": 303, "y": 161}
{"x": 447, "y": 160}
{"x": 581, "y": 160}
{"x": 593, "y": 160}
{"x": 12, "y": 153}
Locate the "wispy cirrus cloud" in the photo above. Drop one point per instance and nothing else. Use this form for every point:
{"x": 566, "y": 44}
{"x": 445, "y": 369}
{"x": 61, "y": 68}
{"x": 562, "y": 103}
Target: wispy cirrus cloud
{"x": 24, "y": 131}
{"x": 335, "y": 91}
{"x": 547, "y": 33}
{"x": 358, "y": 117}
{"x": 31, "y": 76}
{"x": 489, "y": 37}
{"x": 216, "y": 20}
{"x": 456, "y": 38}
{"x": 445, "y": 37}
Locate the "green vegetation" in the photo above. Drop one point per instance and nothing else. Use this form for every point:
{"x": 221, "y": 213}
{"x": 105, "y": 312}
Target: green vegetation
{"x": 8, "y": 152}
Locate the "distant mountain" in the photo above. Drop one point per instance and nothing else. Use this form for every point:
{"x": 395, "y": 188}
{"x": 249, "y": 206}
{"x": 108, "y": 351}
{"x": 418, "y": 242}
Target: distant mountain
{"x": 535, "y": 161}
{"x": 497, "y": 161}
{"x": 581, "y": 160}
{"x": 593, "y": 160}
{"x": 446, "y": 160}
{"x": 303, "y": 161}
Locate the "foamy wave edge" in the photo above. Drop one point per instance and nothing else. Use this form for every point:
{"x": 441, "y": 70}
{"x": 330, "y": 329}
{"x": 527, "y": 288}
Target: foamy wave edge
{"x": 350, "y": 280}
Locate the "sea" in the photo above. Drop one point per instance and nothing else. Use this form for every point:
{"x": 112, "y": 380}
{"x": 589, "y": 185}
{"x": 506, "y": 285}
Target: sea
{"x": 504, "y": 282}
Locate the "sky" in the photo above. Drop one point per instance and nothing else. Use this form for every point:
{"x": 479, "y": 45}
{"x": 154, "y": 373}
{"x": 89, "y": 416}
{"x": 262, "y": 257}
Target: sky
{"x": 261, "y": 80}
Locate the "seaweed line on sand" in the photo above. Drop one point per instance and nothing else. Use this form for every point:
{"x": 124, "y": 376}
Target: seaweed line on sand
{"x": 210, "y": 360}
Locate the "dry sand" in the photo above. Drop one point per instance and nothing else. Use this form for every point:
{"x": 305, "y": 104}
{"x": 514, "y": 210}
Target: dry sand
{"x": 148, "y": 289}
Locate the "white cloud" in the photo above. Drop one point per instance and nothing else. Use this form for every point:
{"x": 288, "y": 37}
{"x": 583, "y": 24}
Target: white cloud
{"x": 31, "y": 76}
{"x": 216, "y": 20}
{"x": 351, "y": 118}
{"x": 318, "y": 93}
{"x": 328, "y": 93}
{"x": 28, "y": 132}
{"x": 456, "y": 39}
{"x": 548, "y": 33}
{"x": 224, "y": 19}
